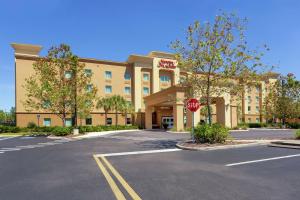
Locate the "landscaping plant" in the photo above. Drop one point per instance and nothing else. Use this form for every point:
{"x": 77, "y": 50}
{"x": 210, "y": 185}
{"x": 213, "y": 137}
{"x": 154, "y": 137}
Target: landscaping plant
{"x": 215, "y": 133}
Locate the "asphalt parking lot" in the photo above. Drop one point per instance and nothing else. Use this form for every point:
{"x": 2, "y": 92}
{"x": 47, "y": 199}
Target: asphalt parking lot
{"x": 145, "y": 164}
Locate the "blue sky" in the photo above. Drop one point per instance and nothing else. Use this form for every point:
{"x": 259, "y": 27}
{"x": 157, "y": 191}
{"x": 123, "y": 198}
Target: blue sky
{"x": 115, "y": 29}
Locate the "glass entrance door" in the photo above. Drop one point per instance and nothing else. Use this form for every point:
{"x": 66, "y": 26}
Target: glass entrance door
{"x": 167, "y": 120}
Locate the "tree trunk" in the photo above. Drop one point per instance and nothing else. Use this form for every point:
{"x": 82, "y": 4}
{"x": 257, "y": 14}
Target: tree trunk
{"x": 208, "y": 102}
{"x": 63, "y": 121}
{"x": 117, "y": 118}
{"x": 105, "y": 118}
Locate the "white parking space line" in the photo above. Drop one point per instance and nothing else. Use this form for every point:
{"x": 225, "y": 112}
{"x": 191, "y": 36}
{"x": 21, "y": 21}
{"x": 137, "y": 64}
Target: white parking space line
{"x": 6, "y": 138}
{"x": 25, "y": 147}
{"x": 262, "y": 160}
{"x": 4, "y": 150}
{"x": 138, "y": 152}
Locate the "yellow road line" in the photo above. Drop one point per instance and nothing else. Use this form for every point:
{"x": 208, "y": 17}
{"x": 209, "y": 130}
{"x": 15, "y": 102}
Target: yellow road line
{"x": 117, "y": 192}
{"x": 127, "y": 187}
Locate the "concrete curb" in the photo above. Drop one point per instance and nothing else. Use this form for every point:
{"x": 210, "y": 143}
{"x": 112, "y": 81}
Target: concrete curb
{"x": 252, "y": 143}
{"x": 185, "y": 132}
{"x": 290, "y": 144}
{"x": 239, "y": 130}
{"x": 271, "y": 129}
{"x": 104, "y": 133}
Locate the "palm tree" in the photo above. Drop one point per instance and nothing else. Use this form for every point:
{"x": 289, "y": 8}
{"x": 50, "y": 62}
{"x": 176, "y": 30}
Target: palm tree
{"x": 117, "y": 104}
{"x": 107, "y": 104}
{"x": 127, "y": 109}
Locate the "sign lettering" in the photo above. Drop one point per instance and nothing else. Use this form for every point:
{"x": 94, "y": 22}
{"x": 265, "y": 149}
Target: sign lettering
{"x": 168, "y": 64}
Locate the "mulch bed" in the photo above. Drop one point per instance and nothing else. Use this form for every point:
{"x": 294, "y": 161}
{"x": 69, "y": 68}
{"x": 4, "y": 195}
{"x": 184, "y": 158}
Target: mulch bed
{"x": 229, "y": 142}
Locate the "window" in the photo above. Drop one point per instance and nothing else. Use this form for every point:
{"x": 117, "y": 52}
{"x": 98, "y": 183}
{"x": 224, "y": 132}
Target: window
{"x": 257, "y": 99}
{"x": 89, "y": 88}
{"x": 257, "y": 109}
{"x": 249, "y": 99}
{"x": 249, "y": 120}
{"x": 127, "y": 90}
{"x": 257, "y": 120}
{"x": 88, "y": 72}
{"x": 109, "y": 121}
{"x": 164, "y": 78}
{"x": 127, "y": 76}
{"x": 68, "y": 74}
{"x": 249, "y": 89}
{"x": 257, "y": 88}
{"x": 46, "y": 104}
{"x": 88, "y": 103}
{"x": 47, "y": 122}
{"x": 249, "y": 108}
{"x": 108, "y": 75}
{"x": 145, "y": 91}
{"x": 68, "y": 122}
{"x": 108, "y": 89}
{"x": 128, "y": 121}
{"x": 146, "y": 77}
{"x": 88, "y": 121}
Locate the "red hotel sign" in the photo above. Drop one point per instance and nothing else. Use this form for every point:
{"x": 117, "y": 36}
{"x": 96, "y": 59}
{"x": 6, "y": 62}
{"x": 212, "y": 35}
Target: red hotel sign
{"x": 166, "y": 64}
{"x": 193, "y": 105}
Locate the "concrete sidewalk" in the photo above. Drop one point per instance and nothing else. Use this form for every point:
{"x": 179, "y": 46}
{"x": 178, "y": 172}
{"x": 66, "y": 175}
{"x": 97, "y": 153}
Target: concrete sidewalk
{"x": 104, "y": 133}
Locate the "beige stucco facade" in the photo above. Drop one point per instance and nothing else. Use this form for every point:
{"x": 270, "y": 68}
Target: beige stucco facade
{"x": 153, "y": 90}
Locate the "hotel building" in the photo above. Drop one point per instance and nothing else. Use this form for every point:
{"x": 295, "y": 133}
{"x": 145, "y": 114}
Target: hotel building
{"x": 150, "y": 82}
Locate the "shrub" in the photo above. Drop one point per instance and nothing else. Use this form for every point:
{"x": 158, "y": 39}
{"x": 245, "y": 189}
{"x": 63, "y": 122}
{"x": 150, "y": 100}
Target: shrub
{"x": 61, "y": 131}
{"x": 243, "y": 126}
{"x": 215, "y": 133}
{"x": 254, "y": 125}
{"x": 84, "y": 129}
{"x": 31, "y": 125}
{"x": 297, "y": 134}
{"x": 9, "y": 129}
{"x": 294, "y": 125}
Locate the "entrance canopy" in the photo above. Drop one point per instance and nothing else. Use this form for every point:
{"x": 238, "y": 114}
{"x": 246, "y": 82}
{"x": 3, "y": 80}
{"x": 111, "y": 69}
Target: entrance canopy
{"x": 174, "y": 98}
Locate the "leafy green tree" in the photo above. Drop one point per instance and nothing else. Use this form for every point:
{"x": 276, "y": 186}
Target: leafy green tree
{"x": 59, "y": 85}
{"x": 127, "y": 109}
{"x": 283, "y": 100}
{"x": 12, "y": 114}
{"x": 217, "y": 59}
{"x": 107, "y": 105}
{"x": 118, "y": 103}
{"x": 204, "y": 112}
{"x": 2, "y": 116}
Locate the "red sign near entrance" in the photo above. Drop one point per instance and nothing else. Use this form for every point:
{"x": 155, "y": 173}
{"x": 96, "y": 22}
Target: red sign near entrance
{"x": 167, "y": 64}
{"x": 193, "y": 105}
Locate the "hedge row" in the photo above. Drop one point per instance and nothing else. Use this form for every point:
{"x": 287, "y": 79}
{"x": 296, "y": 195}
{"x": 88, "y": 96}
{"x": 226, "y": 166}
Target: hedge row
{"x": 84, "y": 129}
{"x": 61, "y": 131}
{"x": 261, "y": 125}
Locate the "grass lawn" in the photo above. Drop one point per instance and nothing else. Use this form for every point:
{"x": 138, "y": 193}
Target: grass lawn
{"x": 13, "y": 134}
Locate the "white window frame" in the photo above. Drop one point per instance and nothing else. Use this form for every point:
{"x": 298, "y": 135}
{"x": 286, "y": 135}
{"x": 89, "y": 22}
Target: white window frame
{"x": 68, "y": 120}
{"x": 88, "y": 72}
{"x": 108, "y": 75}
{"x": 146, "y": 75}
{"x": 127, "y": 91}
{"x": 146, "y": 89}
{"x": 49, "y": 121}
{"x": 106, "y": 87}
{"x": 68, "y": 74}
